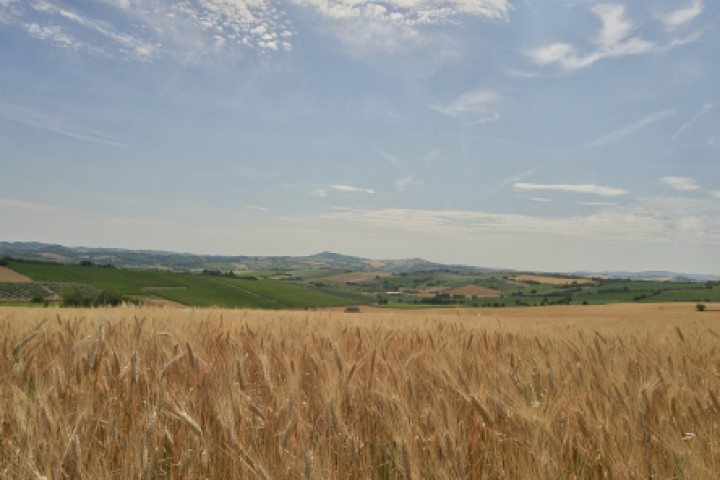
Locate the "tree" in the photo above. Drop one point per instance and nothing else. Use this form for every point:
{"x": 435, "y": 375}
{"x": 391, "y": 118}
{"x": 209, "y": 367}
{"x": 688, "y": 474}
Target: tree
{"x": 700, "y": 307}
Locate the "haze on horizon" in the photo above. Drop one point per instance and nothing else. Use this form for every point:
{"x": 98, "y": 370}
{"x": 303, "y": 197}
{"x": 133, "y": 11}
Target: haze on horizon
{"x": 572, "y": 135}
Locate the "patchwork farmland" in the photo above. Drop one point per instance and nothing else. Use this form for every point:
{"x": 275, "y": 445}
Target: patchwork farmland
{"x": 323, "y": 287}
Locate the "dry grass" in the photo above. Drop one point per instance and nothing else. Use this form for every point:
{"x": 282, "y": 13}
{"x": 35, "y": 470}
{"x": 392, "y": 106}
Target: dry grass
{"x": 163, "y": 393}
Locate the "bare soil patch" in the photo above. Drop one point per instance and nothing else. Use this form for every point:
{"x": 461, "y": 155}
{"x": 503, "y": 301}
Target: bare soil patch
{"x": 11, "y": 276}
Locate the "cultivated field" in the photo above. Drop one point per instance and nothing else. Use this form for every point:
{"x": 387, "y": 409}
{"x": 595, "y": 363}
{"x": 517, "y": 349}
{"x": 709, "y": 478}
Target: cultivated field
{"x": 470, "y": 290}
{"x": 616, "y": 391}
{"x": 357, "y": 276}
{"x": 7, "y": 275}
{"x": 552, "y": 280}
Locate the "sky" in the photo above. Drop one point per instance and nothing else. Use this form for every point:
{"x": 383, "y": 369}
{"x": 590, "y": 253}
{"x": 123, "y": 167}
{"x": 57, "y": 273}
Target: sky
{"x": 561, "y": 135}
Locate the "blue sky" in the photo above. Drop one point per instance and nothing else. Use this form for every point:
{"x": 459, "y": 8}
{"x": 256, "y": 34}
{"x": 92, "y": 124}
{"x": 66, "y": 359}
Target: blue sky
{"x": 559, "y": 135}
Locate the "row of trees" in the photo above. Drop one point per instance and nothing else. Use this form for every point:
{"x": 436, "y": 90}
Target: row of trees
{"x": 76, "y": 297}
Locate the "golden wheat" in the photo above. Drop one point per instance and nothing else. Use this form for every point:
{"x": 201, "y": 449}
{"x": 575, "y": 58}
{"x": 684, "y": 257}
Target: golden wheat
{"x": 162, "y": 393}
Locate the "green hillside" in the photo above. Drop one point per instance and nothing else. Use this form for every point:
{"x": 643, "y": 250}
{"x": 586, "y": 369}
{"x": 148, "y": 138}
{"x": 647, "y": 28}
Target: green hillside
{"x": 186, "y": 288}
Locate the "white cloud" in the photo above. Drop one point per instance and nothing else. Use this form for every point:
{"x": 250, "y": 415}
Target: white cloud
{"x": 410, "y": 12}
{"x": 476, "y": 106}
{"x": 576, "y": 188}
{"x": 129, "y": 45}
{"x": 351, "y": 189}
{"x": 615, "y": 27}
{"x": 715, "y": 193}
{"x": 632, "y": 128}
{"x": 615, "y": 38}
{"x": 683, "y": 16}
{"x": 145, "y": 29}
{"x": 55, "y": 35}
{"x": 683, "y": 184}
{"x": 397, "y": 25}
{"x": 632, "y": 224}
{"x": 197, "y": 29}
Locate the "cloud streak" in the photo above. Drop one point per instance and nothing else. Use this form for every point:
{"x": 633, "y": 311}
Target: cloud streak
{"x": 632, "y": 129}
{"x": 56, "y": 125}
{"x": 23, "y": 205}
{"x": 351, "y": 189}
{"x": 575, "y": 188}
{"x": 704, "y": 110}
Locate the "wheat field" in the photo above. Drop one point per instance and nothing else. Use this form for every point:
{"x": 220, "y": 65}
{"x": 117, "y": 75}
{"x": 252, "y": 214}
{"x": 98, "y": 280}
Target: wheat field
{"x": 554, "y": 392}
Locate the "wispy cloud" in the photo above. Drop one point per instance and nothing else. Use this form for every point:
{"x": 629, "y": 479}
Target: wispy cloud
{"x": 576, "y": 188}
{"x": 389, "y": 157}
{"x": 513, "y": 179}
{"x": 632, "y": 128}
{"x": 398, "y": 25}
{"x": 597, "y": 204}
{"x": 21, "y": 204}
{"x": 617, "y": 37}
{"x": 477, "y": 106}
{"x": 636, "y": 223}
{"x": 682, "y": 184}
{"x": 705, "y": 109}
{"x": 351, "y": 189}
{"x": 683, "y": 16}
{"x": 57, "y": 125}
{"x": 614, "y": 39}
{"x": 130, "y": 45}
{"x": 402, "y": 183}
{"x": 412, "y": 12}
{"x": 146, "y": 29}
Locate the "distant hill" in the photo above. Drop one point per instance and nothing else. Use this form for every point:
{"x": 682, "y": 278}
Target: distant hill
{"x": 187, "y": 261}
{"x": 164, "y": 260}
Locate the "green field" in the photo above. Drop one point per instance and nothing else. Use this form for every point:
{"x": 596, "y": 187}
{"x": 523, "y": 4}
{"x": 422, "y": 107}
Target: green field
{"x": 186, "y": 288}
